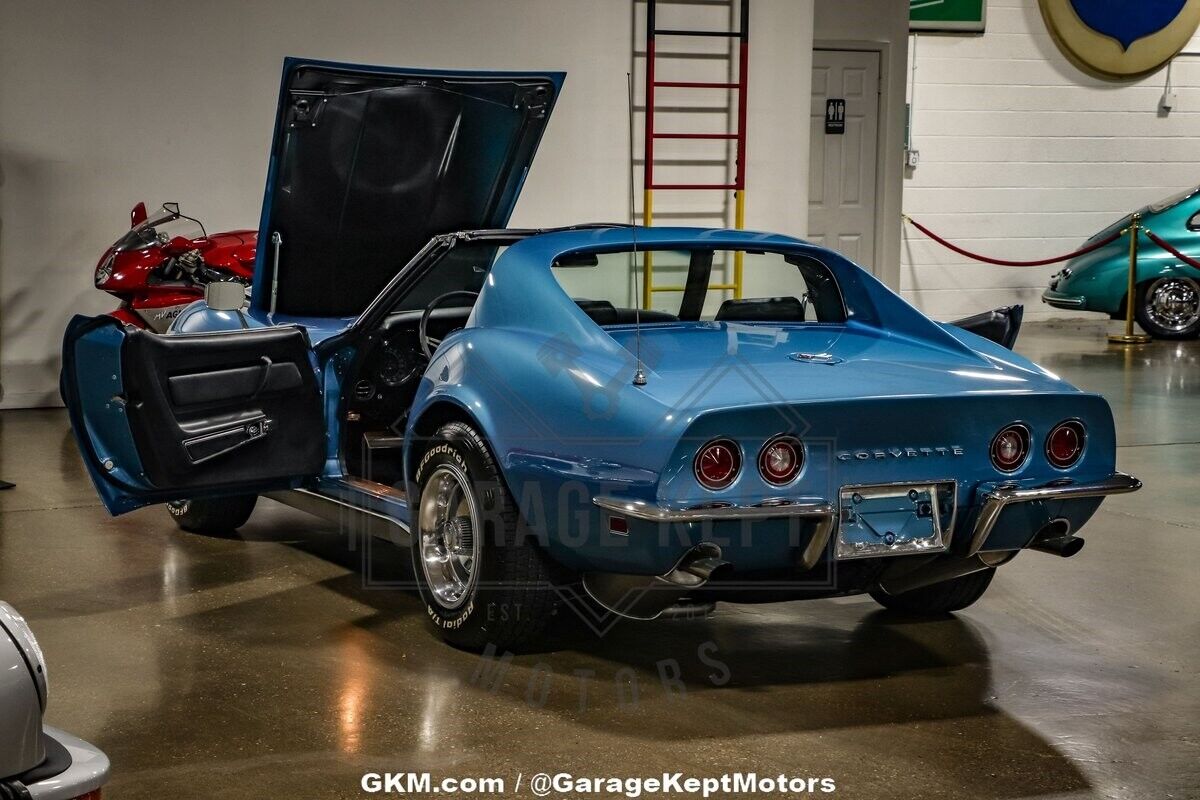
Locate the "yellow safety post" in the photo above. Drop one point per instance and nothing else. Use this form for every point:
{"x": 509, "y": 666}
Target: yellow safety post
{"x": 647, "y": 257}
{"x": 1129, "y": 337}
{"x": 739, "y": 222}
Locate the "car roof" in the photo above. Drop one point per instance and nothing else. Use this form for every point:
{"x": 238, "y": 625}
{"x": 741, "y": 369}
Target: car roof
{"x": 602, "y": 235}
{"x": 525, "y": 233}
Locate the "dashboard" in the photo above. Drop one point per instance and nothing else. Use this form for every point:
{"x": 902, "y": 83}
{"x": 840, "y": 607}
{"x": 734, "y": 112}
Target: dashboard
{"x": 388, "y": 378}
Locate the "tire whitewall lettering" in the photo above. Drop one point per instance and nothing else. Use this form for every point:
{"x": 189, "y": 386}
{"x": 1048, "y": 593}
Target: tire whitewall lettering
{"x": 474, "y": 559}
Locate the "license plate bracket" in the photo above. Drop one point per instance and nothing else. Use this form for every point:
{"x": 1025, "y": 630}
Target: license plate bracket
{"x": 895, "y": 519}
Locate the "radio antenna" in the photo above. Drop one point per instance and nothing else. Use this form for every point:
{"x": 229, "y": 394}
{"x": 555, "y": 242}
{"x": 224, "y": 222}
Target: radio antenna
{"x": 639, "y": 375}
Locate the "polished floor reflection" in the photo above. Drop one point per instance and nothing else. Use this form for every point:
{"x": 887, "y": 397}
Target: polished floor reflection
{"x": 269, "y": 666}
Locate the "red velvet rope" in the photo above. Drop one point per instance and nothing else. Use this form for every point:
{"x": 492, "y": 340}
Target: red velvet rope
{"x": 1165, "y": 245}
{"x": 1002, "y": 263}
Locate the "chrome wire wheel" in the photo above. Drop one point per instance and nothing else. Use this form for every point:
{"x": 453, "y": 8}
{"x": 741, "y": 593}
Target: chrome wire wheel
{"x": 1173, "y": 303}
{"x": 448, "y": 522}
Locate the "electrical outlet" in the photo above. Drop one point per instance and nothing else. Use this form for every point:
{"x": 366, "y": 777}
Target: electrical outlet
{"x": 1169, "y": 101}
{"x": 912, "y": 158}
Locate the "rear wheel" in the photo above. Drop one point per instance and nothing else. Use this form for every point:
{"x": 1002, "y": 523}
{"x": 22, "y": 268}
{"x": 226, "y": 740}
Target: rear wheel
{"x": 940, "y": 598}
{"x": 1169, "y": 308}
{"x": 483, "y": 578}
{"x": 213, "y": 516}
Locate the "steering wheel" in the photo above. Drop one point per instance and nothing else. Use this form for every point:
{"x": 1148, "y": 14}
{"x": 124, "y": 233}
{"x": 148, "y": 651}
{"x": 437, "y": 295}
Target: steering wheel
{"x": 428, "y": 343}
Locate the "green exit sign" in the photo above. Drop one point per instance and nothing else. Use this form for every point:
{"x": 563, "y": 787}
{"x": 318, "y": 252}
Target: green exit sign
{"x": 947, "y": 15}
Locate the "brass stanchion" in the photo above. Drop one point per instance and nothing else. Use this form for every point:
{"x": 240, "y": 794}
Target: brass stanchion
{"x": 1129, "y": 337}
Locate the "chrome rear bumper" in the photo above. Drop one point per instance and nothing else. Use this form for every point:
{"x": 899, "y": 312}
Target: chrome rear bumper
{"x": 647, "y": 512}
{"x": 995, "y": 501}
{"x": 820, "y": 512}
{"x": 824, "y": 515}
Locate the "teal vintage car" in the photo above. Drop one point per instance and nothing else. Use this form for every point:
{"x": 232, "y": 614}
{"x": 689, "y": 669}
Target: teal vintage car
{"x": 1167, "y": 303}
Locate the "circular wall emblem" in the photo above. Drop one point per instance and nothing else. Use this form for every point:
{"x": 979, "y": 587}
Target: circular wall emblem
{"x": 1121, "y": 38}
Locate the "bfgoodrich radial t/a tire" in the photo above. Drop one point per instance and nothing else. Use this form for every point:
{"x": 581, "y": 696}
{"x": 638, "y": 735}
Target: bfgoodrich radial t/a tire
{"x": 940, "y": 598}
{"x": 213, "y": 516}
{"x": 482, "y": 577}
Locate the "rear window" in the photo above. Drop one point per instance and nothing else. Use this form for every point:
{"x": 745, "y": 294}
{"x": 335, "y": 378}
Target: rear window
{"x": 701, "y": 285}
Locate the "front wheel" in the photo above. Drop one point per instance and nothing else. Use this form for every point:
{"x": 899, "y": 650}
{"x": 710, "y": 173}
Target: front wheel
{"x": 213, "y": 516}
{"x": 1169, "y": 308}
{"x": 940, "y": 598}
{"x": 483, "y": 579}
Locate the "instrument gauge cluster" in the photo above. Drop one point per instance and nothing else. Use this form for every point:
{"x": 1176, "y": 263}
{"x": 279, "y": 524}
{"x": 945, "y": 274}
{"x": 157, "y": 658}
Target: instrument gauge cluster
{"x": 398, "y": 364}
{"x": 387, "y": 380}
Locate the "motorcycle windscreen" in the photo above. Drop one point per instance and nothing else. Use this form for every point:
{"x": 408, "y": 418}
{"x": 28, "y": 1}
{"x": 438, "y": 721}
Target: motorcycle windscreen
{"x": 370, "y": 163}
{"x": 161, "y": 418}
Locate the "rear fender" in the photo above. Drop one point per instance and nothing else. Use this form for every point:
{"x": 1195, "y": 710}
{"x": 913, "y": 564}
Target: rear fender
{"x": 556, "y": 445}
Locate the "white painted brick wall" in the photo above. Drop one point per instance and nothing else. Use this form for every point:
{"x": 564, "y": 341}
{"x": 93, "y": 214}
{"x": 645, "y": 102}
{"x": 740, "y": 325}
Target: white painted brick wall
{"x": 89, "y": 125}
{"x": 1023, "y": 156}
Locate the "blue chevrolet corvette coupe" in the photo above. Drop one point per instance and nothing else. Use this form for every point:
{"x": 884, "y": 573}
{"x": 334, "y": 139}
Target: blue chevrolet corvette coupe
{"x": 505, "y": 404}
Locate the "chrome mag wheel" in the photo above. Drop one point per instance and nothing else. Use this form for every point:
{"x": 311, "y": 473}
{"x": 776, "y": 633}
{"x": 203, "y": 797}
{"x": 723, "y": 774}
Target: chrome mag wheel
{"x": 1173, "y": 303}
{"x": 448, "y": 522}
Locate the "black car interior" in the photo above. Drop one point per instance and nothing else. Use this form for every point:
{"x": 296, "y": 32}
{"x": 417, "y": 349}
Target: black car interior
{"x": 761, "y": 309}
{"x": 603, "y": 312}
{"x": 822, "y": 296}
{"x": 383, "y": 380}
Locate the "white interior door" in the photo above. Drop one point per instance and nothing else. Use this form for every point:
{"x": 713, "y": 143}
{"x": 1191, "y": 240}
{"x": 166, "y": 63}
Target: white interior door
{"x": 842, "y": 166}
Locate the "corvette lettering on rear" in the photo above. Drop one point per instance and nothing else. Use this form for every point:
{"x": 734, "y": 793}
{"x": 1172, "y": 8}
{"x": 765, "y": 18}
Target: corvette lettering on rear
{"x": 893, "y": 453}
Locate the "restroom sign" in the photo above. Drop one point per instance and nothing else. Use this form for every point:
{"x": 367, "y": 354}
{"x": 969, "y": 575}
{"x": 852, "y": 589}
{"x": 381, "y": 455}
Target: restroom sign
{"x": 835, "y": 116}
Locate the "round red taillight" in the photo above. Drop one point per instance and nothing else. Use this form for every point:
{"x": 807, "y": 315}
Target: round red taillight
{"x": 718, "y": 464}
{"x": 1010, "y": 447}
{"x": 780, "y": 460}
{"x": 1064, "y": 445}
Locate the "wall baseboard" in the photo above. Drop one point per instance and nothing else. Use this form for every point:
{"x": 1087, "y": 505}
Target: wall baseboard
{"x": 47, "y": 399}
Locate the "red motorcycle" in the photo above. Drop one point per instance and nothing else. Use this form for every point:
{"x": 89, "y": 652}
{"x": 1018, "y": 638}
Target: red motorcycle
{"x": 164, "y": 262}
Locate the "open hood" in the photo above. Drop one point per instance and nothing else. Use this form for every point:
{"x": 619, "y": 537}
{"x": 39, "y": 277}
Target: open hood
{"x": 369, "y": 163}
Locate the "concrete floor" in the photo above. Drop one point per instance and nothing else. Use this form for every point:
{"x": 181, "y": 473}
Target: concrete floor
{"x": 263, "y": 666}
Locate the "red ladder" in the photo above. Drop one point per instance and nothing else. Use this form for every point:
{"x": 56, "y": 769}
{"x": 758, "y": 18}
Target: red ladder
{"x": 738, "y": 185}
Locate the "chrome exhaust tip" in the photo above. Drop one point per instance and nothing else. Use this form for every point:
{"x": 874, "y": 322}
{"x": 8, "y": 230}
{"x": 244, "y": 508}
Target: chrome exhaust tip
{"x": 1065, "y": 546}
{"x": 647, "y": 597}
{"x": 1056, "y": 539}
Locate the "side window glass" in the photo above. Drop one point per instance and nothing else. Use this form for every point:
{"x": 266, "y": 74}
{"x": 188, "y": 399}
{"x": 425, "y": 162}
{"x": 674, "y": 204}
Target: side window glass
{"x": 463, "y": 268}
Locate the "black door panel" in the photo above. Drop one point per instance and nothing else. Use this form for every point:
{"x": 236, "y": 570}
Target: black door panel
{"x": 234, "y": 384}
{"x": 213, "y": 410}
